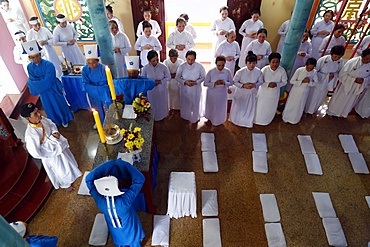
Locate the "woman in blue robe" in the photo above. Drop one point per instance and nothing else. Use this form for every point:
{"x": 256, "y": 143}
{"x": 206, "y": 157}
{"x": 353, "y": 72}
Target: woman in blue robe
{"x": 125, "y": 229}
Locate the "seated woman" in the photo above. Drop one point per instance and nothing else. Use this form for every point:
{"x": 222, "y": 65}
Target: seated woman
{"x": 158, "y": 96}
{"x": 217, "y": 82}
{"x": 260, "y": 47}
{"x": 190, "y": 75}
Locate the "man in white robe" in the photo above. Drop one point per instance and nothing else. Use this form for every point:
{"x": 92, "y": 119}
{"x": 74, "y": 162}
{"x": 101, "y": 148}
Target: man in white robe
{"x": 353, "y": 78}
{"x": 43, "y": 141}
{"x": 283, "y": 30}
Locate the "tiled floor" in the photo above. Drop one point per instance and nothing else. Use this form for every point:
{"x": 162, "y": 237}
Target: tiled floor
{"x": 70, "y": 216}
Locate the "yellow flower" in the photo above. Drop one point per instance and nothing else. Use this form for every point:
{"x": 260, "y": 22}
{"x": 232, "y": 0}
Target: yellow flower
{"x": 138, "y": 145}
{"x": 130, "y": 136}
{"x": 141, "y": 140}
{"x": 129, "y": 144}
{"x": 136, "y": 142}
{"x": 137, "y": 129}
{"x": 122, "y": 132}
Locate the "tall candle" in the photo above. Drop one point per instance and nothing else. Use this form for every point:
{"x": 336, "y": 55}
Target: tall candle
{"x": 110, "y": 82}
{"x": 99, "y": 126}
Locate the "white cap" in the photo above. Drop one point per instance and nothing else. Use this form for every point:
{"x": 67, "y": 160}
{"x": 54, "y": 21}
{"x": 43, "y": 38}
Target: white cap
{"x": 61, "y": 19}
{"x": 33, "y": 22}
{"x": 31, "y": 47}
{"x": 132, "y": 62}
{"x": 20, "y": 227}
{"x": 19, "y": 34}
{"x": 91, "y": 51}
{"x": 108, "y": 186}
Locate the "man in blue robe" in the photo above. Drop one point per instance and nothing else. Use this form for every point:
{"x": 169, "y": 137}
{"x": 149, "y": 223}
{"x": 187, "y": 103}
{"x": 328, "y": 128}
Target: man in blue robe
{"x": 42, "y": 81}
{"x": 123, "y": 222}
{"x": 95, "y": 81}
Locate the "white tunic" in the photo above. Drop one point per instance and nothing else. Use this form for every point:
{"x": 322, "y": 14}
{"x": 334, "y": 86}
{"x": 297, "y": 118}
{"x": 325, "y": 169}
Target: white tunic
{"x": 119, "y": 24}
{"x": 121, "y": 41}
{"x": 190, "y": 108}
{"x": 268, "y": 98}
{"x": 244, "y": 101}
{"x": 362, "y": 46}
{"x": 58, "y": 161}
{"x": 19, "y": 57}
{"x": 142, "y": 41}
{"x": 219, "y": 25}
{"x": 183, "y": 38}
{"x": 348, "y": 91}
{"x": 158, "y": 96}
{"x": 173, "y": 86}
{"x": 282, "y": 32}
{"x": 216, "y": 99}
{"x": 260, "y": 49}
{"x": 248, "y": 27}
{"x": 325, "y": 66}
{"x": 156, "y": 30}
{"x": 71, "y": 52}
{"x": 298, "y": 95}
{"x": 19, "y": 22}
{"x": 49, "y": 52}
{"x": 333, "y": 42}
{"x": 363, "y": 105}
{"x": 191, "y": 30}
{"x": 227, "y": 49}
{"x": 317, "y": 38}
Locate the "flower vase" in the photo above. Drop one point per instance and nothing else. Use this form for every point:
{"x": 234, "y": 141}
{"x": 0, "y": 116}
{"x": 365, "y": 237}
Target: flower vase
{"x": 136, "y": 155}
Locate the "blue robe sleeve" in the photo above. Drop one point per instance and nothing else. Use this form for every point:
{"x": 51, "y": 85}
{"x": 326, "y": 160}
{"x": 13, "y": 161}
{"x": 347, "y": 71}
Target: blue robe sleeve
{"x": 99, "y": 92}
{"x": 40, "y": 83}
{"x": 42, "y": 241}
{"x": 132, "y": 87}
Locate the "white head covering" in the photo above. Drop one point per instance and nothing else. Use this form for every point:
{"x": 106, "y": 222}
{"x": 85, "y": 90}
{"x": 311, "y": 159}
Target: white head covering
{"x": 31, "y": 47}
{"x": 19, "y": 34}
{"x": 132, "y": 62}
{"x": 20, "y": 227}
{"x": 33, "y": 22}
{"x": 91, "y": 51}
{"x": 108, "y": 186}
{"x": 61, "y": 19}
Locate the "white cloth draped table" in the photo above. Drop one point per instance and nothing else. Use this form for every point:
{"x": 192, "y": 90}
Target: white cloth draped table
{"x": 270, "y": 208}
{"x": 99, "y": 232}
{"x": 209, "y": 203}
{"x": 211, "y": 233}
{"x": 161, "y": 230}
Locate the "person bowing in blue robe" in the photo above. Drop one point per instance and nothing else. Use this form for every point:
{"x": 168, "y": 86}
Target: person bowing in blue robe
{"x": 42, "y": 81}
{"x": 95, "y": 81}
{"x": 123, "y": 222}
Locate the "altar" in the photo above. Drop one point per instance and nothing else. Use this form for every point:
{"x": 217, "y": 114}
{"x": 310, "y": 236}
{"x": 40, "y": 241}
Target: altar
{"x": 148, "y": 164}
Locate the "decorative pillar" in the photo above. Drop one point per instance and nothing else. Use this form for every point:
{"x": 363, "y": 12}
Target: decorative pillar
{"x": 301, "y": 13}
{"x": 102, "y": 33}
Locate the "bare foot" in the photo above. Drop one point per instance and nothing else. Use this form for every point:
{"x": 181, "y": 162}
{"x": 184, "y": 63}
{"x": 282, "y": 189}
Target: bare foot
{"x": 70, "y": 189}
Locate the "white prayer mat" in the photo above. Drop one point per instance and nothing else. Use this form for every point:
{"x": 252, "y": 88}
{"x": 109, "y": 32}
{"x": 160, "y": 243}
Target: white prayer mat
{"x": 83, "y": 190}
{"x": 204, "y": 137}
{"x": 259, "y": 142}
{"x": 348, "y": 143}
{"x": 367, "y": 198}
{"x": 208, "y": 146}
{"x": 210, "y": 161}
{"x": 126, "y": 157}
{"x": 128, "y": 112}
{"x": 211, "y": 233}
{"x": 99, "y": 232}
{"x": 270, "y": 208}
{"x": 324, "y": 205}
{"x": 260, "y": 162}
{"x": 275, "y": 235}
{"x": 306, "y": 144}
{"x": 209, "y": 203}
{"x": 312, "y": 164}
{"x": 161, "y": 230}
{"x": 358, "y": 163}
{"x": 334, "y": 232}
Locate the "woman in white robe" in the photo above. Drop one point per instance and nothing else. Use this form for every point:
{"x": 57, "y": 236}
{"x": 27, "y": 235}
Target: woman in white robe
{"x": 158, "y": 96}
{"x": 45, "y": 39}
{"x": 19, "y": 57}
{"x": 319, "y": 31}
{"x": 65, "y": 36}
{"x": 190, "y": 75}
{"x": 249, "y": 30}
{"x": 303, "y": 54}
{"x": 336, "y": 39}
{"x": 247, "y": 80}
{"x": 43, "y": 141}
{"x": 327, "y": 68}
{"x": 221, "y": 26}
{"x": 111, "y": 17}
{"x": 217, "y": 82}
{"x": 156, "y": 29}
{"x": 283, "y": 30}
{"x": 189, "y": 27}
{"x": 230, "y": 49}
{"x": 302, "y": 80}
{"x": 146, "y": 43}
{"x": 173, "y": 86}
{"x": 260, "y": 47}
{"x": 362, "y": 46}
{"x": 121, "y": 47}
{"x": 13, "y": 17}
{"x": 363, "y": 105}
{"x": 274, "y": 77}
{"x": 180, "y": 39}
{"x": 354, "y": 78}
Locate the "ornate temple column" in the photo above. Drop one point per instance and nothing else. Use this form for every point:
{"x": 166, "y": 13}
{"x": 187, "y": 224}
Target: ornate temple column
{"x": 102, "y": 33}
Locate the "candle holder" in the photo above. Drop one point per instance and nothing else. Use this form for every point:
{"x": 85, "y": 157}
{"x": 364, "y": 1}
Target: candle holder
{"x": 117, "y": 107}
{"x": 106, "y": 151}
